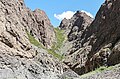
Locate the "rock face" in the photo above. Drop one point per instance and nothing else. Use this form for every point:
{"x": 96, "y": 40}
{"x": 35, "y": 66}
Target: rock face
{"x": 105, "y": 34}
{"x": 98, "y": 42}
{"x": 77, "y": 23}
{"x": 19, "y": 59}
{"x": 74, "y": 28}
{"x": 45, "y": 31}
{"x": 39, "y": 26}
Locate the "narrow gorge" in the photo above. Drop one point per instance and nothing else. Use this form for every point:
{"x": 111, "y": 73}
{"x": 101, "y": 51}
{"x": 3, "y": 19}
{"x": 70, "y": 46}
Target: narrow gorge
{"x": 79, "y": 48}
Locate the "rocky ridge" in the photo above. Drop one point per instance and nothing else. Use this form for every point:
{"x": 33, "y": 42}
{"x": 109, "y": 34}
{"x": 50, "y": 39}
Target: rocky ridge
{"x": 98, "y": 43}
{"x": 19, "y": 59}
{"x": 75, "y": 56}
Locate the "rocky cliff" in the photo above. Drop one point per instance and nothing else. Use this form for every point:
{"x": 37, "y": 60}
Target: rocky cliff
{"x": 98, "y": 41}
{"x": 19, "y": 59}
{"x": 75, "y": 56}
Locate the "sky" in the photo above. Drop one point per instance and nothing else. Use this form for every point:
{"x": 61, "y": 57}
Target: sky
{"x": 57, "y": 10}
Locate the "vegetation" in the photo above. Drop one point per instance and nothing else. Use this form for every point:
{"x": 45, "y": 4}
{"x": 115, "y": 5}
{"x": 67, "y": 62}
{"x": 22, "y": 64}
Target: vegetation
{"x": 34, "y": 41}
{"x": 67, "y": 78}
{"x": 56, "y": 46}
{"x": 60, "y": 38}
{"x": 101, "y": 69}
{"x": 56, "y": 55}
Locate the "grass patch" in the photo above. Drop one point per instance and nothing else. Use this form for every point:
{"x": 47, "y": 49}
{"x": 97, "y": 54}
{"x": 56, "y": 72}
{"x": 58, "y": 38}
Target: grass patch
{"x": 57, "y": 45}
{"x": 101, "y": 69}
{"x": 60, "y": 39}
{"x": 56, "y": 55}
{"x": 34, "y": 41}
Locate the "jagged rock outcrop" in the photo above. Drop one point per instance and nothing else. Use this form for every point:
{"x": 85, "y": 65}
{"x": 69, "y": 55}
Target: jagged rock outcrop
{"x": 38, "y": 24}
{"x": 77, "y": 23}
{"x": 19, "y": 59}
{"x": 105, "y": 33}
{"x": 45, "y": 32}
{"x": 74, "y": 28}
{"x": 98, "y": 43}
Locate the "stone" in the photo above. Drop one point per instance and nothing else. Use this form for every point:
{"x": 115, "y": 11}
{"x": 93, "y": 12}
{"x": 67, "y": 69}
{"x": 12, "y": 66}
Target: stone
{"x": 93, "y": 37}
{"x": 19, "y": 59}
{"x": 74, "y": 29}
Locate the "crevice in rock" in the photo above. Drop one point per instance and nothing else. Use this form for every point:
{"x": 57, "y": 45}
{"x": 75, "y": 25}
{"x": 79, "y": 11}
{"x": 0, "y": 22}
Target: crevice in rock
{"x": 116, "y": 41}
{"x": 7, "y": 42}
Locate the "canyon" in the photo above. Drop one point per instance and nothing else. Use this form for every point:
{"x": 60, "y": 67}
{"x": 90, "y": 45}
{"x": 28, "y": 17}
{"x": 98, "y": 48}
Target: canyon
{"x": 80, "y": 48}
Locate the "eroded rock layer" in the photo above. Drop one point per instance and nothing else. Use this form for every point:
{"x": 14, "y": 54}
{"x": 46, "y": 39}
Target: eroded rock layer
{"x": 19, "y": 59}
{"x": 75, "y": 56}
{"x": 98, "y": 42}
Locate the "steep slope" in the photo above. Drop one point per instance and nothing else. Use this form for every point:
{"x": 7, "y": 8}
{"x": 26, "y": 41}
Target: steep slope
{"x": 38, "y": 25}
{"x": 98, "y": 43}
{"x": 105, "y": 35}
{"x": 74, "y": 29}
{"x": 101, "y": 73}
{"x": 19, "y": 59}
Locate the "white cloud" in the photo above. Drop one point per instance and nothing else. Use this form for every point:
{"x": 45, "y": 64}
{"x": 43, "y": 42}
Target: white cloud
{"x": 88, "y": 13}
{"x": 67, "y": 15}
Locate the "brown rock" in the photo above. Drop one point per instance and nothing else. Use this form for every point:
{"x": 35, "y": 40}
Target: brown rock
{"x": 94, "y": 37}
{"x": 74, "y": 28}
{"x": 18, "y": 57}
